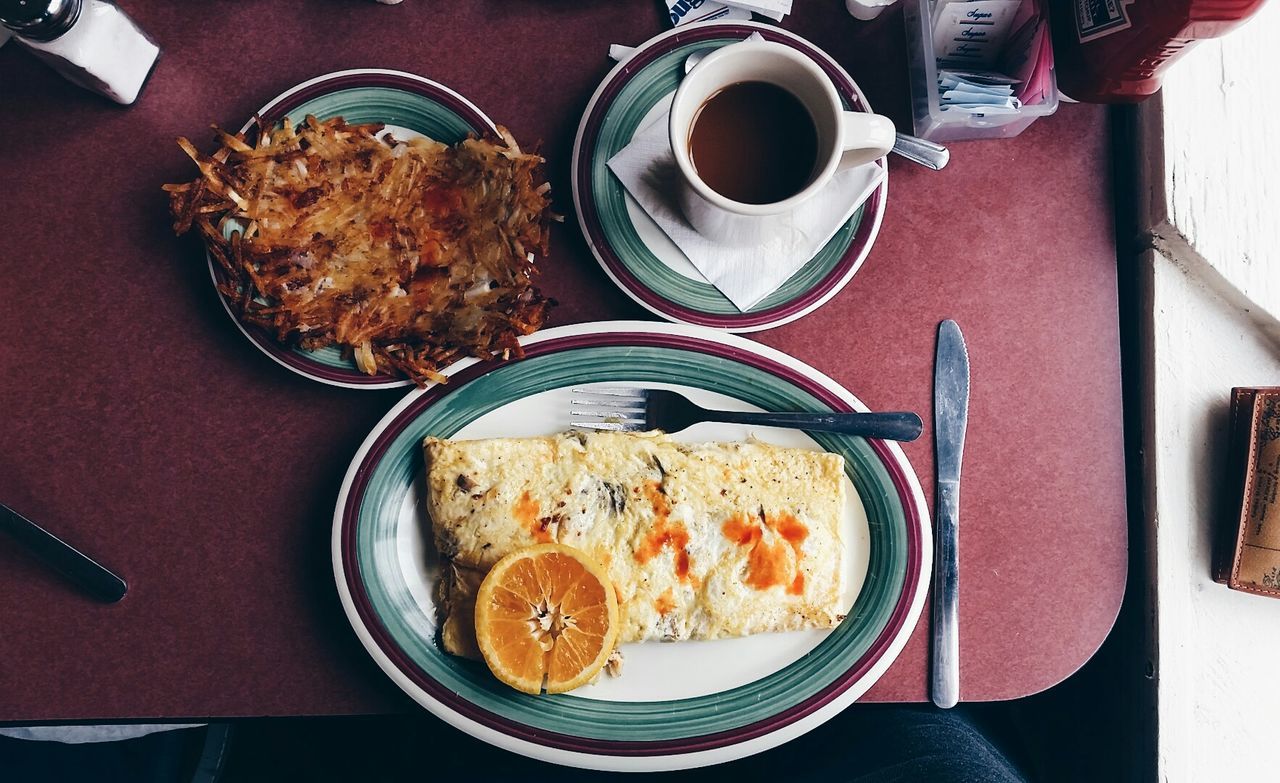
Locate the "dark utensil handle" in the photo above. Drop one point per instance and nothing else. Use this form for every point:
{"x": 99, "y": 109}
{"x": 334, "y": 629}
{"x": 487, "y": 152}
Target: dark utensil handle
{"x": 69, "y": 561}
{"x": 904, "y": 426}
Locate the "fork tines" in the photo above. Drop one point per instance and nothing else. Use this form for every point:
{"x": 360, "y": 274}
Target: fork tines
{"x": 615, "y": 408}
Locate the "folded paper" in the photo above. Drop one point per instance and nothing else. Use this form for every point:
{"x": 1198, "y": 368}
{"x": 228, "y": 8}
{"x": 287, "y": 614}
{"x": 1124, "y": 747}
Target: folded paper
{"x": 647, "y": 169}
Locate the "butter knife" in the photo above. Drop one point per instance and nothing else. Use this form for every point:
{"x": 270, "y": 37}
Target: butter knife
{"x": 950, "y": 417}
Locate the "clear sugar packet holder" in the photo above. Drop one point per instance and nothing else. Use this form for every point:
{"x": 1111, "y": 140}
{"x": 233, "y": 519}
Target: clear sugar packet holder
{"x": 930, "y": 120}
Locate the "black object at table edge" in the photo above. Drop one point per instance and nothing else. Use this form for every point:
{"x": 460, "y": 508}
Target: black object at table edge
{"x": 76, "y": 566}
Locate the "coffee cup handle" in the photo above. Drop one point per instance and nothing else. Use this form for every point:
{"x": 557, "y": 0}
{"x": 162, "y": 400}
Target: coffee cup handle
{"x": 864, "y": 137}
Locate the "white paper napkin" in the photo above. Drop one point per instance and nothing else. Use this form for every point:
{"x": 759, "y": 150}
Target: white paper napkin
{"x": 746, "y": 275}
{"x": 77, "y": 735}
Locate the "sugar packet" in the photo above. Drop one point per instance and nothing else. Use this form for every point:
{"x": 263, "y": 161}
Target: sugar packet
{"x": 685, "y": 11}
{"x": 681, "y": 12}
{"x": 977, "y": 93}
{"x": 972, "y": 34}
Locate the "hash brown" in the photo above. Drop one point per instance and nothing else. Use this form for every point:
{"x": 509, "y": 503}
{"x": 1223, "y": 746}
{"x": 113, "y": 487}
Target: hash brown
{"x": 408, "y": 253}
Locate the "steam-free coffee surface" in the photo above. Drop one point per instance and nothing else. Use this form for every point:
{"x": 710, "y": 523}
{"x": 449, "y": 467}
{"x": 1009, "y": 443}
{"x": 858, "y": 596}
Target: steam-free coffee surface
{"x": 754, "y": 142}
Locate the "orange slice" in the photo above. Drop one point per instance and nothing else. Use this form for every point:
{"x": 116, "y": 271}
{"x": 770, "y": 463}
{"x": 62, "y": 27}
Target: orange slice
{"x": 546, "y": 617}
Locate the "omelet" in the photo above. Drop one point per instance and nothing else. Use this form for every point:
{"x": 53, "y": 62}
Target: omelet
{"x": 701, "y": 541}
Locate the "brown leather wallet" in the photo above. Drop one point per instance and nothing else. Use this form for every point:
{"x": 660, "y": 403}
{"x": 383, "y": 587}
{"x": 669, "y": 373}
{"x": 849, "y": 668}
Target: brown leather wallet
{"x": 1248, "y": 549}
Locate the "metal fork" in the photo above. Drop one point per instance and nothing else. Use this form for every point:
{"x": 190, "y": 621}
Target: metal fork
{"x": 625, "y": 409}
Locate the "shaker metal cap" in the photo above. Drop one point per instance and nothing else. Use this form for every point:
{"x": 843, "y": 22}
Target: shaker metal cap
{"x": 39, "y": 20}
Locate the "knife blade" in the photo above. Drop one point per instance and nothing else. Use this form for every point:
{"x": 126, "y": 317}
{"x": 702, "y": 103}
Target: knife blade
{"x": 76, "y": 566}
{"x": 950, "y": 418}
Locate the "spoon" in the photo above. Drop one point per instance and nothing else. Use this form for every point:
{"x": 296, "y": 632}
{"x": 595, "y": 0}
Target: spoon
{"x": 927, "y": 153}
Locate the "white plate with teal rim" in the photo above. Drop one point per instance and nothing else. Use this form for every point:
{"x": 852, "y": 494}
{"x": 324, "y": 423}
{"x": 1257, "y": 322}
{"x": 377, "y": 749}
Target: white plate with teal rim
{"x": 635, "y": 253}
{"x": 409, "y": 106}
{"x": 676, "y": 705}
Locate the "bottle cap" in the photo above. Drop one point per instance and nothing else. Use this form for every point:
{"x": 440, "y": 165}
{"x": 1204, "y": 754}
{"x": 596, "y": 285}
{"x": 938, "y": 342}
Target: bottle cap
{"x": 39, "y": 20}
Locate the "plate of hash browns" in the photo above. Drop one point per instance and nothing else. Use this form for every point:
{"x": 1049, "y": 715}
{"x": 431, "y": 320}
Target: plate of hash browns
{"x": 369, "y": 227}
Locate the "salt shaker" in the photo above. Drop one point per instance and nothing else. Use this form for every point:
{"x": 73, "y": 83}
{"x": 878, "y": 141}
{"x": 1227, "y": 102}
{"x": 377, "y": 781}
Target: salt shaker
{"x": 91, "y": 42}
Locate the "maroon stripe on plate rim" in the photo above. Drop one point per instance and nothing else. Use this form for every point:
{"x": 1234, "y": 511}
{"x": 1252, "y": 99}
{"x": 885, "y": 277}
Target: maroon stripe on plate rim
{"x": 453, "y": 701}
{"x": 432, "y": 91}
{"x": 590, "y": 216}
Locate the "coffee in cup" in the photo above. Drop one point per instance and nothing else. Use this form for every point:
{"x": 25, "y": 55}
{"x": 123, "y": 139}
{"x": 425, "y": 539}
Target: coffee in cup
{"x": 754, "y": 143}
{"x": 757, "y": 128}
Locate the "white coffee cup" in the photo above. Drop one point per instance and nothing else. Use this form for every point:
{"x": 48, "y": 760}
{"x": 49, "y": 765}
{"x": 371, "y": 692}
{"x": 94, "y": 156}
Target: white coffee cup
{"x": 845, "y": 138}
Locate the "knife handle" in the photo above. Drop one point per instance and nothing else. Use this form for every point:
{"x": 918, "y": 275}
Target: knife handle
{"x": 946, "y": 598}
{"x": 66, "y": 559}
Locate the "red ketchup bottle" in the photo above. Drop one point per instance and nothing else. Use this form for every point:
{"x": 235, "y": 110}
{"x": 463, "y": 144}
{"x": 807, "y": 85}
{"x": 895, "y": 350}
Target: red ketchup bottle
{"x": 1113, "y": 51}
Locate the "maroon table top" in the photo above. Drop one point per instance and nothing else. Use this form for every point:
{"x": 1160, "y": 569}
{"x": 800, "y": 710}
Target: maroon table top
{"x": 139, "y": 424}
